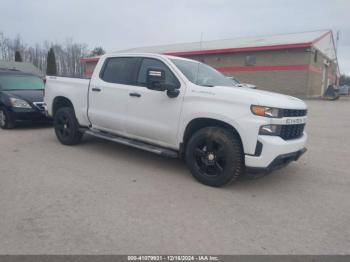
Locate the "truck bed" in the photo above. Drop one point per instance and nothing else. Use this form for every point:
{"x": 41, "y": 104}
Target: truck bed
{"x": 74, "y": 89}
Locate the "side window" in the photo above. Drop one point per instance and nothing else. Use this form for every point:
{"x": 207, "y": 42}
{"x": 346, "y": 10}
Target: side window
{"x": 154, "y": 63}
{"x": 119, "y": 70}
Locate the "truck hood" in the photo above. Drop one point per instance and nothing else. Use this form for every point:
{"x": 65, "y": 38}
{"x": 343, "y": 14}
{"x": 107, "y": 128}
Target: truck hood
{"x": 263, "y": 98}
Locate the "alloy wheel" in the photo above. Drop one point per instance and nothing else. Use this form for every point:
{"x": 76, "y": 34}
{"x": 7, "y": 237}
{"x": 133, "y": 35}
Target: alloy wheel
{"x": 63, "y": 126}
{"x": 210, "y": 157}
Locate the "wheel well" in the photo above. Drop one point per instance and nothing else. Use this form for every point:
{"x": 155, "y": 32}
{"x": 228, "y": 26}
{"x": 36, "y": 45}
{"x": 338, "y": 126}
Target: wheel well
{"x": 200, "y": 123}
{"x": 60, "y": 102}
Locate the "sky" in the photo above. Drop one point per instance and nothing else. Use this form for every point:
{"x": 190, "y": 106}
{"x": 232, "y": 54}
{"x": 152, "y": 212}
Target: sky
{"x": 124, "y": 24}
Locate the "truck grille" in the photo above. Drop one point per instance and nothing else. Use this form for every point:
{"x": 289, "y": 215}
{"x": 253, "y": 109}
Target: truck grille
{"x": 291, "y": 131}
{"x": 294, "y": 112}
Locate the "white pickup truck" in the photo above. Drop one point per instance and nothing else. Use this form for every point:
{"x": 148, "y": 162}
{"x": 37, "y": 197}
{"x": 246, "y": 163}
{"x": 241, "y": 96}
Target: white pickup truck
{"x": 178, "y": 107}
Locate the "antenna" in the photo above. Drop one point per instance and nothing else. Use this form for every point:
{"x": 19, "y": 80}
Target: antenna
{"x": 201, "y": 42}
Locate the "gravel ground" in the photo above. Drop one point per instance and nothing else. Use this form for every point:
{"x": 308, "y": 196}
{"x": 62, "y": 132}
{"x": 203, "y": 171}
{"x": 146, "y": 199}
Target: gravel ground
{"x": 104, "y": 198}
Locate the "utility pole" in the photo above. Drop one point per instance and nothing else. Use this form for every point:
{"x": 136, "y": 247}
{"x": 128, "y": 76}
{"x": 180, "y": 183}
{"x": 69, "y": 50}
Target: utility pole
{"x": 336, "y": 57}
{"x": 337, "y": 42}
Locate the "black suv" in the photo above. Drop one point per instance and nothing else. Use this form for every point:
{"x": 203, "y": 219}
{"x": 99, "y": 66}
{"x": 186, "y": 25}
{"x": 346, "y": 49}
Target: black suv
{"x": 21, "y": 98}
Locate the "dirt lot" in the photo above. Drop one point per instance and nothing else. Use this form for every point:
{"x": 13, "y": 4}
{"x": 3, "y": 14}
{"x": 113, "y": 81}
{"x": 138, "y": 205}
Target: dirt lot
{"x": 101, "y": 197}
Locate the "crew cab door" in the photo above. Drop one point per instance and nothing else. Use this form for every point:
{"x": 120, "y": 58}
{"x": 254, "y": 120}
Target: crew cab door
{"x": 152, "y": 116}
{"x": 109, "y": 93}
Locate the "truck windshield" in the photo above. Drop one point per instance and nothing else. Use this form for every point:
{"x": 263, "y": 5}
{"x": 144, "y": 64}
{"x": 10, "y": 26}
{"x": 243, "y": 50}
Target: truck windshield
{"x": 201, "y": 74}
{"x": 20, "y": 82}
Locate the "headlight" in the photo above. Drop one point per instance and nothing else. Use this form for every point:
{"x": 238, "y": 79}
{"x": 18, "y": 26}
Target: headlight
{"x": 266, "y": 111}
{"x": 270, "y": 130}
{"x": 19, "y": 103}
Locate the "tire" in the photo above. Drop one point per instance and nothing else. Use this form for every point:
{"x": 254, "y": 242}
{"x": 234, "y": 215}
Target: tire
{"x": 6, "y": 121}
{"x": 215, "y": 156}
{"x": 67, "y": 127}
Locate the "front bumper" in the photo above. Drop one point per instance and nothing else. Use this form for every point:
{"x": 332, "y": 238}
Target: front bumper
{"x": 23, "y": 115}
{"x": 279, "y": 162}
{"x": 276, "y": 153}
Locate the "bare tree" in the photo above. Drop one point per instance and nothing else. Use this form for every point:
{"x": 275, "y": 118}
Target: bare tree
{"x": 68, "y": 54}
{"x": 97, "y": 51}
{"x": 4, "y": 47}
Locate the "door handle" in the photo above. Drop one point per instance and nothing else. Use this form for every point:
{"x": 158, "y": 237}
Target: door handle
{"x": 135, "y": 94}
{"x": 96, "y": 89}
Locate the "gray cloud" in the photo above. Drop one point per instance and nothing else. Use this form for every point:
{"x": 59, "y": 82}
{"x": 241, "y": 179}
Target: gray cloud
{"x": 119, "y": 25}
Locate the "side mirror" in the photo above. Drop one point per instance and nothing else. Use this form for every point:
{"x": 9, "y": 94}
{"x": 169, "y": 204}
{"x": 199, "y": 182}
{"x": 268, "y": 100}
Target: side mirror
{"x": 156, "y": 79}
{"x": 172, "y": 91}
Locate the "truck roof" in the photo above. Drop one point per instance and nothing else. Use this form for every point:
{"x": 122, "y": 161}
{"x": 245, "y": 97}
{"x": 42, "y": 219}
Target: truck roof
{"x": 154, "y": 55}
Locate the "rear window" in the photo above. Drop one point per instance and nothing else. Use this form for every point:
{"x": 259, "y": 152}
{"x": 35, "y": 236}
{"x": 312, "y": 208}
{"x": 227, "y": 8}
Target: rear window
{"x": 120, "y": 70}
{"x": 20, "y": 82}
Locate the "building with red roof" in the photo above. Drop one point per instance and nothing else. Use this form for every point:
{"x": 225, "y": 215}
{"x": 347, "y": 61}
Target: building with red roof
{"x": 298, "y": 64}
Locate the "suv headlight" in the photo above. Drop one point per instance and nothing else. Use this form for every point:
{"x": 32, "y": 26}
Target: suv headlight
{"x": 266, "y": 111}
{"x": 19, "y": 103}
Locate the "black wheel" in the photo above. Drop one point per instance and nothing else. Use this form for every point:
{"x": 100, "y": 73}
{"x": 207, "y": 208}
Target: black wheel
{"x": 67, "y": 127}
{"x": 6, "y": 122}
{"x": 215, "y": 156}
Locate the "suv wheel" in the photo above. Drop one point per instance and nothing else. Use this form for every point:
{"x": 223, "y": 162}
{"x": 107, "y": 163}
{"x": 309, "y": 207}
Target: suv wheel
{"x": 215, "y": 156}
{"x": 67, "y": 127}
{"x": 6, "y": 121}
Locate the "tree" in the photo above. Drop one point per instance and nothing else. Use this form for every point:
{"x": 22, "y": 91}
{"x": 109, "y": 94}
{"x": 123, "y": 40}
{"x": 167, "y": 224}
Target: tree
{"x": 51, "y": 68}
{"x": 67, "y": 54}
{"x": 97, "y": 51}
{"x": 18, "y": 57}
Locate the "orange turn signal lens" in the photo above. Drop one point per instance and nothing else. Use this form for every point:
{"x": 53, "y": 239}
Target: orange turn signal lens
{"x": 258, "y": 110}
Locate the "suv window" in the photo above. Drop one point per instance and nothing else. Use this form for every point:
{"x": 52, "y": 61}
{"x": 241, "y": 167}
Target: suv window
{"x": 120, "y": 70}
{"x": 154, "y": 63}
{"x": 20, "y": 82}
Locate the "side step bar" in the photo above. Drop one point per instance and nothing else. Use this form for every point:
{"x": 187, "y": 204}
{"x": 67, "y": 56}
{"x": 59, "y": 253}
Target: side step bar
{"x": 133, "y": 143}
